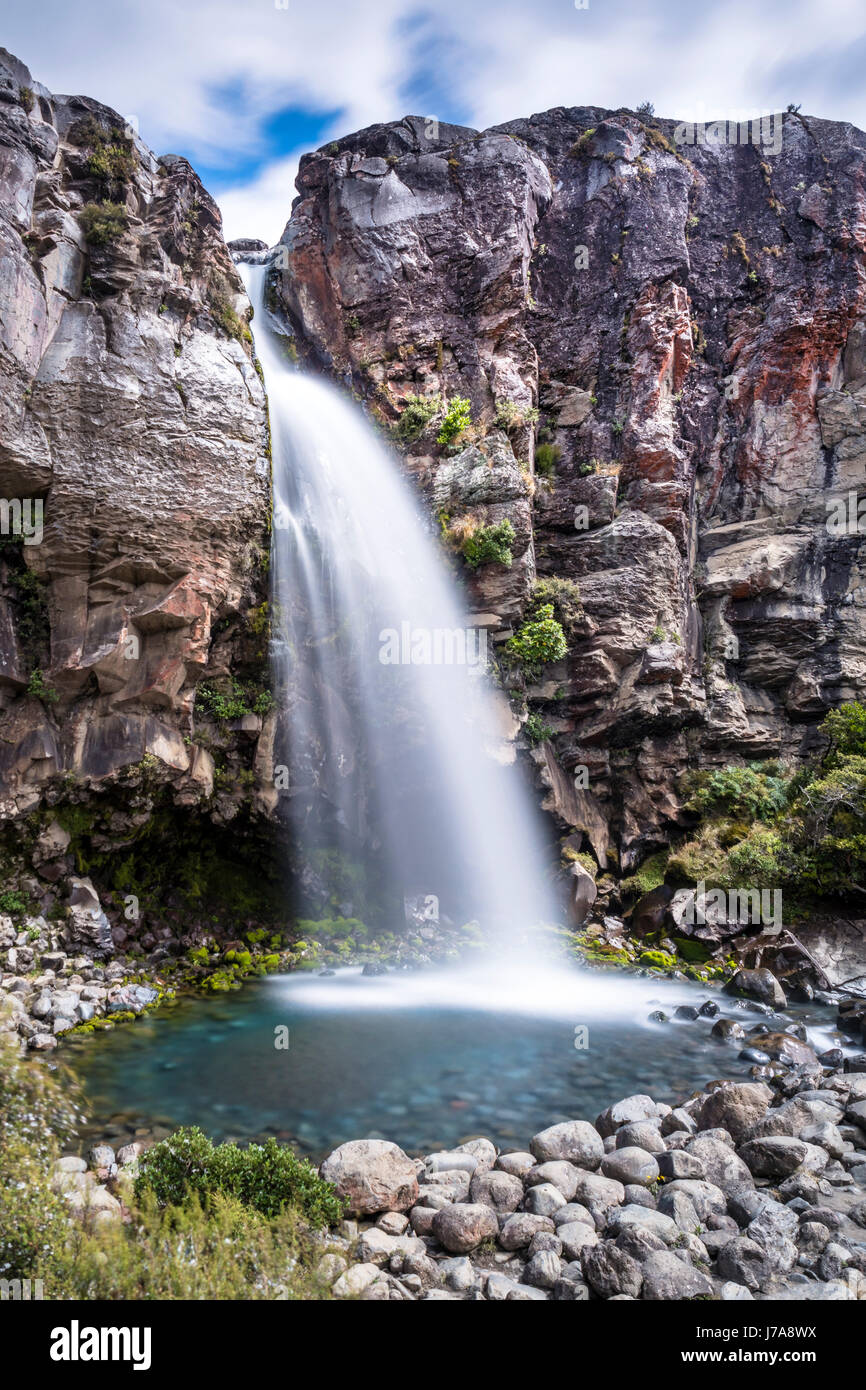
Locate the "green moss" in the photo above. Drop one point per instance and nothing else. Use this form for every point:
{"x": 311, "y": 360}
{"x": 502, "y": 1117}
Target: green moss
{"x": 650, "y": 875}
{"x": 658, "y": 960}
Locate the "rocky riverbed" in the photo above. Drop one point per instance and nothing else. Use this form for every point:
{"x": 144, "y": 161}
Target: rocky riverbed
{"x": 748, "y": 1190}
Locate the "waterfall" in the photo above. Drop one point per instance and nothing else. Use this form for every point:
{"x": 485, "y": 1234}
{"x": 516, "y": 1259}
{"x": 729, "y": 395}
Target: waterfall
{"x": 400, "y": 782}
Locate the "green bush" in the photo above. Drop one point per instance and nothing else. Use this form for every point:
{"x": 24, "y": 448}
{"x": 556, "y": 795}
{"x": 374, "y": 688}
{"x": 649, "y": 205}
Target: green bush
{"x": 536, "y": 730}
{"x": 224, "y": 1251}
{"x": 13, "y": 903}
{"x": 458, "y": 417}
{"x": 490, "y": 545}
{"x": 547, "y": 457}
{"x": 38, "y": 687}
{"x": 756, "y": 792}
{"x": 103, "y": 223}
{"x": 564, "y": 594}
{"x": 416, "y": 415}
{"x": 232, "y": 701}
{"x": 845, "y": 727}
{"x": 264, "y": 1177}
{"x": 539, "y": 641}
{"x": 38, "y": 1109}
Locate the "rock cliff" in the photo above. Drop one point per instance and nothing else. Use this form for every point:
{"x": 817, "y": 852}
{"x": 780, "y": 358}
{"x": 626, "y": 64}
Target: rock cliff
{"x": 662, "y": 334}
{"x": 134, "y": 475}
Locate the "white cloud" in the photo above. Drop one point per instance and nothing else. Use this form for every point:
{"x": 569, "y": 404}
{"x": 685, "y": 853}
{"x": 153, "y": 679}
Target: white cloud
{"x": 491, "y": 60}
{"x": 261, "y": 208}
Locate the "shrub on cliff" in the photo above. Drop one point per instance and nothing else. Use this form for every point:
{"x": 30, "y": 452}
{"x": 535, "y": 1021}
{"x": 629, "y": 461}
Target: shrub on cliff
{"x": 757, "y": 792}
{"x": 538, "y": 641}
{"x": 416, "y": 415}
{"x": 490, "y": 545}
{"x": 103, "y": 223}
{"x": 458, "y": 418}
{"x": 265, "y": 1177}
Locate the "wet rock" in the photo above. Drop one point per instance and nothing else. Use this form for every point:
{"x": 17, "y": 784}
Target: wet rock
{"x": 757, "y": 984}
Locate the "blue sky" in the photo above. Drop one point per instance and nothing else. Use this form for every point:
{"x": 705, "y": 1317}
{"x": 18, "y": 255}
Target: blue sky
{"x": 243, "y": 87}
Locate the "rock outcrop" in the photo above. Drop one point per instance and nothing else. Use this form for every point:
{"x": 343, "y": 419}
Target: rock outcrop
{"x": 132, "y": 424}
{"x": 134, "y": 510}
{"x": 679, "y": 318}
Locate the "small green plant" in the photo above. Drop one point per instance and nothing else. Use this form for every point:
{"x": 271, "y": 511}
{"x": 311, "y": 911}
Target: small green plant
{"x": 490, "y": 545}
{"x": 416, "y": 415}
{"x": 103, "y": 223}
{"x": 564, "y": 594}
{"x": 13, "y": 903}
{"x": 265, "y": 1177}
{"x": 26, "y": 97}
{"x": 510, "y": 416}
{"x": 458, "y": 417}
{"x": 539, "y": 641}
{"x": 536, "y": 730}
{"x": 546, "y": 458}
{"x": 234, "y": 701}
{"x": 38, "y": 687}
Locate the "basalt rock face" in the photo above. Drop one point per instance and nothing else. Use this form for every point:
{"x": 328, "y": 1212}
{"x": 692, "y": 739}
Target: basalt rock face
{"x": 688, "y": 318}
{"x": 132, "y": 414}
{"x": 134, "y": 480}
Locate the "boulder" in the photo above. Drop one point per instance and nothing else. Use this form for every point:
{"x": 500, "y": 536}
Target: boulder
{"x": 574, "y": 1141}
{"x": 462, "y": 1226}
{"x": 371, "y": 1175}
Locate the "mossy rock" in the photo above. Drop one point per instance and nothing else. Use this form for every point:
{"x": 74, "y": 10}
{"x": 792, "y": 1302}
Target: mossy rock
{"x": 658, "y": 960}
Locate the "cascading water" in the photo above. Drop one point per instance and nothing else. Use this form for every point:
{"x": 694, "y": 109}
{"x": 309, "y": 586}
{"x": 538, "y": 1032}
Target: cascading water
{"x": 394, "y": 756}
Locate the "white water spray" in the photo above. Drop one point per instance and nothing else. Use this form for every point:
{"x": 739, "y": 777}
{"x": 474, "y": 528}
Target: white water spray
{"x": 394, "y": 740}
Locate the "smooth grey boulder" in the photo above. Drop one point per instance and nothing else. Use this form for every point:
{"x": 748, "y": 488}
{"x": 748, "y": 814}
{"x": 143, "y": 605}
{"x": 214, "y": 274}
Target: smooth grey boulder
{"x": 464, "y": 1225}
{"x": 372, "y": 1175}
{"x": 575, "y": 1141}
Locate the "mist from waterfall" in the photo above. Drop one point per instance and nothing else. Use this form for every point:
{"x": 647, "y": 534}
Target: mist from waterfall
{"x": 394, "y": 748}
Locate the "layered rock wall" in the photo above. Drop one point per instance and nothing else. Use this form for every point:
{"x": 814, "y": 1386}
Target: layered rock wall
{"x": 679, "y": 317}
